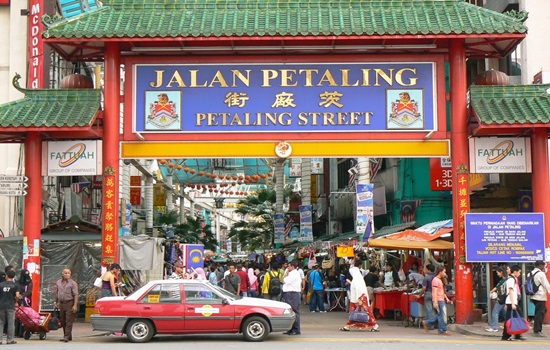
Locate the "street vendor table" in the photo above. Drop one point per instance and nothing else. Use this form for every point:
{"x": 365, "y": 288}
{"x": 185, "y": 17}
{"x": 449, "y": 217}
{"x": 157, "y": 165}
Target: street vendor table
{"x": 336, "y": 298}
{"x": 387, "y": 300}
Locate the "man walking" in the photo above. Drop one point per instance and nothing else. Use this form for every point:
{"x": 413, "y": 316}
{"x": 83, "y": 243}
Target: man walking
{"x": 292, "y": 285}
{"x": 66, "y": 299}
{"x": 245, "y": 281}
{"x": 426, "y": 291}
{"x": 539, "y": 298}
{"x": 439, "y": 300}
{"x": 233, "y": 281}
{"x": 9, "y": 295}
{"x": 315, "y": 280}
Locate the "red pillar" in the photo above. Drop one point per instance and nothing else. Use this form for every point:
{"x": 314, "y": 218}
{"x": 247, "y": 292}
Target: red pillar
{"x": 33, "y": 212}
{"x": 111, "y": 134}
{"x": 461, "y": 204}
{"x": 541, "y": 187}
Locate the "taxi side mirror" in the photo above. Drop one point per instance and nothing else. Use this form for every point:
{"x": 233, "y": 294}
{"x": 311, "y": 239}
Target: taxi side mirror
{"x": 225, "y": 301}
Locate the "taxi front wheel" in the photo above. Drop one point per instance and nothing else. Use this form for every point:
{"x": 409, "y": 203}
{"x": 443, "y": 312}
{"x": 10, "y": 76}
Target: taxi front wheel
{"x": 255, "y": 329}
{"x": 139, "y": 331}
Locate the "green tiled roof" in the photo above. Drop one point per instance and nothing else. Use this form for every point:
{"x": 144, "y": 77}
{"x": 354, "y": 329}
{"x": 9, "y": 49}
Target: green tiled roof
{"x": 218, "y": 18}
{"x": 51, "y": 108}
{"x": 514, "y": 104}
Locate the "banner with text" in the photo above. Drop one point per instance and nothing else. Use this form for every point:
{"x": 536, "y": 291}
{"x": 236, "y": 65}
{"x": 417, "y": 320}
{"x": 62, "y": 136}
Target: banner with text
{"x": 365, "y": 210}
{"x": 504, "y": 237}
{"x": 279, "y": 226}
{"x": 306, "y": 223}
{"x": 291, "y": 97}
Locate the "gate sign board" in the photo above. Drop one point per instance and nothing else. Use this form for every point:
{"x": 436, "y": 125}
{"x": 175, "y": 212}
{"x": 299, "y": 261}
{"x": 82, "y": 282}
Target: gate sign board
{"x": 292, "y": 97}
{"x": 504, "y": 237}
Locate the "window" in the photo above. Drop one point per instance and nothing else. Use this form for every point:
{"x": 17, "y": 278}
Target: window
{"x": 163, "y": 294}
{"x": 200, "y": 294}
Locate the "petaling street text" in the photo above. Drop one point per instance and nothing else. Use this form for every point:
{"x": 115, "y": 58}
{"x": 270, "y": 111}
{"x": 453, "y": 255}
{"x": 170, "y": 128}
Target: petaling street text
{"x": 284, "y": 118}
{"x": 306, "y": 77}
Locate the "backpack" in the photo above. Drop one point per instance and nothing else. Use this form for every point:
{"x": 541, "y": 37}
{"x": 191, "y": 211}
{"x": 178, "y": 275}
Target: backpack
{"x": 502, "y": 292}
{"x": 530, "y": 286}
{"x": 274, "y": 285}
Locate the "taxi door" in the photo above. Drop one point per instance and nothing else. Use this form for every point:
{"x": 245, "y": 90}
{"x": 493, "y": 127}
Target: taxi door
{"x": 163, "y": 304}
{"x": 205, "y": 311}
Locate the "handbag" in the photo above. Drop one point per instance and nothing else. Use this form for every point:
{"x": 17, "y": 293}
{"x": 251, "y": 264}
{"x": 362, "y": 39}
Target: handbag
{"x": 98, "y": 282}
{"x": 345, "y": 251}
{"x": 516, "y": 324}
{"x": 359, "y": 316}
{"x": 55, "y": 322}
{"x": 312, "y": 261}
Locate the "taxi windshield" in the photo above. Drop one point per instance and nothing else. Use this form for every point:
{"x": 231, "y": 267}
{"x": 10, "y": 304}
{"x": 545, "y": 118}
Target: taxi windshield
{"x": 226, "y": 294}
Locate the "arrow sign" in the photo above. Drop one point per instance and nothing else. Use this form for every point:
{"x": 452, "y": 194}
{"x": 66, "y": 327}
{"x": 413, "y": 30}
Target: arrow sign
{"x": 12, "y": 192}
{"x": 13, "y": 185}
{"x": 13, "y": 178}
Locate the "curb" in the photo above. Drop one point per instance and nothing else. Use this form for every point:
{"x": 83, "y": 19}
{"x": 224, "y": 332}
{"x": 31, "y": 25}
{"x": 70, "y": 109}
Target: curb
{"x": 466, "y": 331}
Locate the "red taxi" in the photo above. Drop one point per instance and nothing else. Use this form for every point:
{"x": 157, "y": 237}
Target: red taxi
{"x": 189, "y": 307}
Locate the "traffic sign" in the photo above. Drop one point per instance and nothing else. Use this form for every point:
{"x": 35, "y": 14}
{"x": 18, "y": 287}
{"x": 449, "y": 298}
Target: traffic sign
{"x": 13, "y": 185}
{"x": 13, "y": 178}
{"x": 12, "y": 192}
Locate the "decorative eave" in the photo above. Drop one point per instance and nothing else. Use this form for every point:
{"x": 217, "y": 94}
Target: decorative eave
{"x": 52, "y": 112}
{"x": 510, "y": 109}
{"x": 373, "y": 26}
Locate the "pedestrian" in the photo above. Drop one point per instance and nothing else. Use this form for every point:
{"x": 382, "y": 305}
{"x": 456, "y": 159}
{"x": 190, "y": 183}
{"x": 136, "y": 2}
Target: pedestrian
{"x": 110, "y": 281}
{"x": 177, "y": 274}
{"x": 245, "y": 281}
{"x": 426, "y": 291}
{"x": 272, "y": 290}
{"x": 9, "y": 297}
{"x": 359, "y": 299}
{"x": 212, "y": 275}
{"x": 539, "y": 298}
{"x": 315, "y": 280}
{"x": 372, "y": 280}
{"x": 439, "y": 300}
{"x": 66, "y": 300}
{"x": 6, "y": 269}
{"x": 25, "y": 288}
{"x": 233, "y": 281}
{"x": 512, "y": 300}
{"x": 253, "y": 291}
{"x": 497, "y": 307}
{"x": 292, "y": 286}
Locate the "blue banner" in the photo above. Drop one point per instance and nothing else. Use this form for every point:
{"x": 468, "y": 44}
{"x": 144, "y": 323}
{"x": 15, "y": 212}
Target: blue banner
{"x": 279, "y": 227}
{"x": 306, "y": 223}
{"x": 365, "y": 210}
{"x": 320, "y": 97}
{"x": 504, "y": 237}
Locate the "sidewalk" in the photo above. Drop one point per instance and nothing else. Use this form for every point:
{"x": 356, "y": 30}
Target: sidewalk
{"x": 327, "y": 324}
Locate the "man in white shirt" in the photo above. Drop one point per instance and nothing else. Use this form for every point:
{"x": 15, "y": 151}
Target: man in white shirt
{"x": 292, "y": 286}
{"x": 539, "y": 298}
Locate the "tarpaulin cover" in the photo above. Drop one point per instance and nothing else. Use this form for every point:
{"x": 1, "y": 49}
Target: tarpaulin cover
{"x": 428, "y": 232}
{"x": 385, "y": 243}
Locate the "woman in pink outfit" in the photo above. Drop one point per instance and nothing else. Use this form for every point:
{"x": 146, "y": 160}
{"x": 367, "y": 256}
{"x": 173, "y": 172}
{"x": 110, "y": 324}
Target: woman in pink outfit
{"x": 253, "y": 290}
{"x": 359, "y": 299}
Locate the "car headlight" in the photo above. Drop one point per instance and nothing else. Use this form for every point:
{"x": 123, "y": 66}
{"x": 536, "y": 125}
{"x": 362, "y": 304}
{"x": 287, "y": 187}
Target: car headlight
{"x": 288, "y": 312}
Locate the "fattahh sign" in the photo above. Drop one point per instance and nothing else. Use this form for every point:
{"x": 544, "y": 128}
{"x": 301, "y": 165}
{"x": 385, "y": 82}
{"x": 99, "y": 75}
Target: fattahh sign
{"x": 71, "y": 158}
{"x": 500, "y": 155}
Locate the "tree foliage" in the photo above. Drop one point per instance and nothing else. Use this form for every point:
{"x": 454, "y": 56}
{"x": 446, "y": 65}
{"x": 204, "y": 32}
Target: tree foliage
{"x": 192, "y": 231}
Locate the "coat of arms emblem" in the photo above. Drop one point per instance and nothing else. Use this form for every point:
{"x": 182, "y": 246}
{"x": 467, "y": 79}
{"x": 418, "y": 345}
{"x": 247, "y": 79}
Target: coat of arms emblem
{"x": 405, "y": 111}
{"x": 163, "y": 112}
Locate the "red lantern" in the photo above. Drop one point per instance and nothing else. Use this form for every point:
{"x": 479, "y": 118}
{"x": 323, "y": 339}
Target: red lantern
{"x": 192, "y": 171}
{"x": 163, "y": 161}
{"x": 170, "y": 165}
{"x": 201, "y": 173}
{"x": 179, "y": 167}
{"x": 213, "y": 176}
{"x": 186, "y": 169}
{"x": 263, "y": 176}
{"x": 208, "y": 175}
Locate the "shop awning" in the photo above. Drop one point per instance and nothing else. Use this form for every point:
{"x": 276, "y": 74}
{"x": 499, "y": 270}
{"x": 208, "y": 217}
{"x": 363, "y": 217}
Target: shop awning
{"x": 428, "y": 232}
{"x": 388, "y": 230}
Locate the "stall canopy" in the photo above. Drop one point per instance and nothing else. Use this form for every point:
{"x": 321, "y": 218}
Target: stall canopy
{"x": 427, "y": 236}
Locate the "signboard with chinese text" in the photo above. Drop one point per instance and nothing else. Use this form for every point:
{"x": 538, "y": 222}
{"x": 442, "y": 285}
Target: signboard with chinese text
{"x": 292, "y": 97}
{"x": 441, "y": 174}
{"x": 110, "y": 221}
{"x": 505, "y": 237}
{"x": 135, "y": 190}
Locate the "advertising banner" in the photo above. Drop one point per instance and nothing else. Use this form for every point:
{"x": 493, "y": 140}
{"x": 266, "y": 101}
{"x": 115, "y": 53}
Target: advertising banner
{"x": 500, "y": 155}
{"x": 504, "y": 237}
{"x": 291, "y": 97}
{"x": 306, "y": 223}
{"x": 279, "y": 227}
{"x": 71, "y": 158}
{"x": 365, "y": 210}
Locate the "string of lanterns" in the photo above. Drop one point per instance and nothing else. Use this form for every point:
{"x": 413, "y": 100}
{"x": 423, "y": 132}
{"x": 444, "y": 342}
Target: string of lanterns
{"x": 226, "y": 182}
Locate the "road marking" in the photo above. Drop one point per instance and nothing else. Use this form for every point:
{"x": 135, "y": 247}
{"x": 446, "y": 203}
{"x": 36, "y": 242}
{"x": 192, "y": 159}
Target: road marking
{"x": 439, "y": 339}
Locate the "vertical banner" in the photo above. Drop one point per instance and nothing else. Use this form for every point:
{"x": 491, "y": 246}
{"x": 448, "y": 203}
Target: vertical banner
{"x": 228, "y": 243}
{"x": 279, "y": 228}
{"x": 35, "y": 79}
{"x": 306, "y": 223}
{"x": 135, "y": 190}
{"x": 365, "y": 210}
{"x": 193, "y": 256}
{"x": 159, "y": 195}
{"x": 110, "y": 224}
{"x": 463, "y": 206}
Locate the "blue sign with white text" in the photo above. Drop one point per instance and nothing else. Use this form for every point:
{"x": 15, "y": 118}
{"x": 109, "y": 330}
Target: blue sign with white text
{"x": 294, "y": 97}
{"x": 504, "y": 237}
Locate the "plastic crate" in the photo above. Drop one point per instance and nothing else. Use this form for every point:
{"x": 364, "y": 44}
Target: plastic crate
{"x": 417, "y": 309}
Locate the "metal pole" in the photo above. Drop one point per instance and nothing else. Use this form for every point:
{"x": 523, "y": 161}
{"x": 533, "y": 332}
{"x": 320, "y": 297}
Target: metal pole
{"x": 488, "y": 290}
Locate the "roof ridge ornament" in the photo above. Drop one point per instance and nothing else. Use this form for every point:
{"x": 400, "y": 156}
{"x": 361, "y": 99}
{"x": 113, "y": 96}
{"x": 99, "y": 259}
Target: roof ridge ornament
{"x": 15, "y": 83}
{"x": 519, "y": 15}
